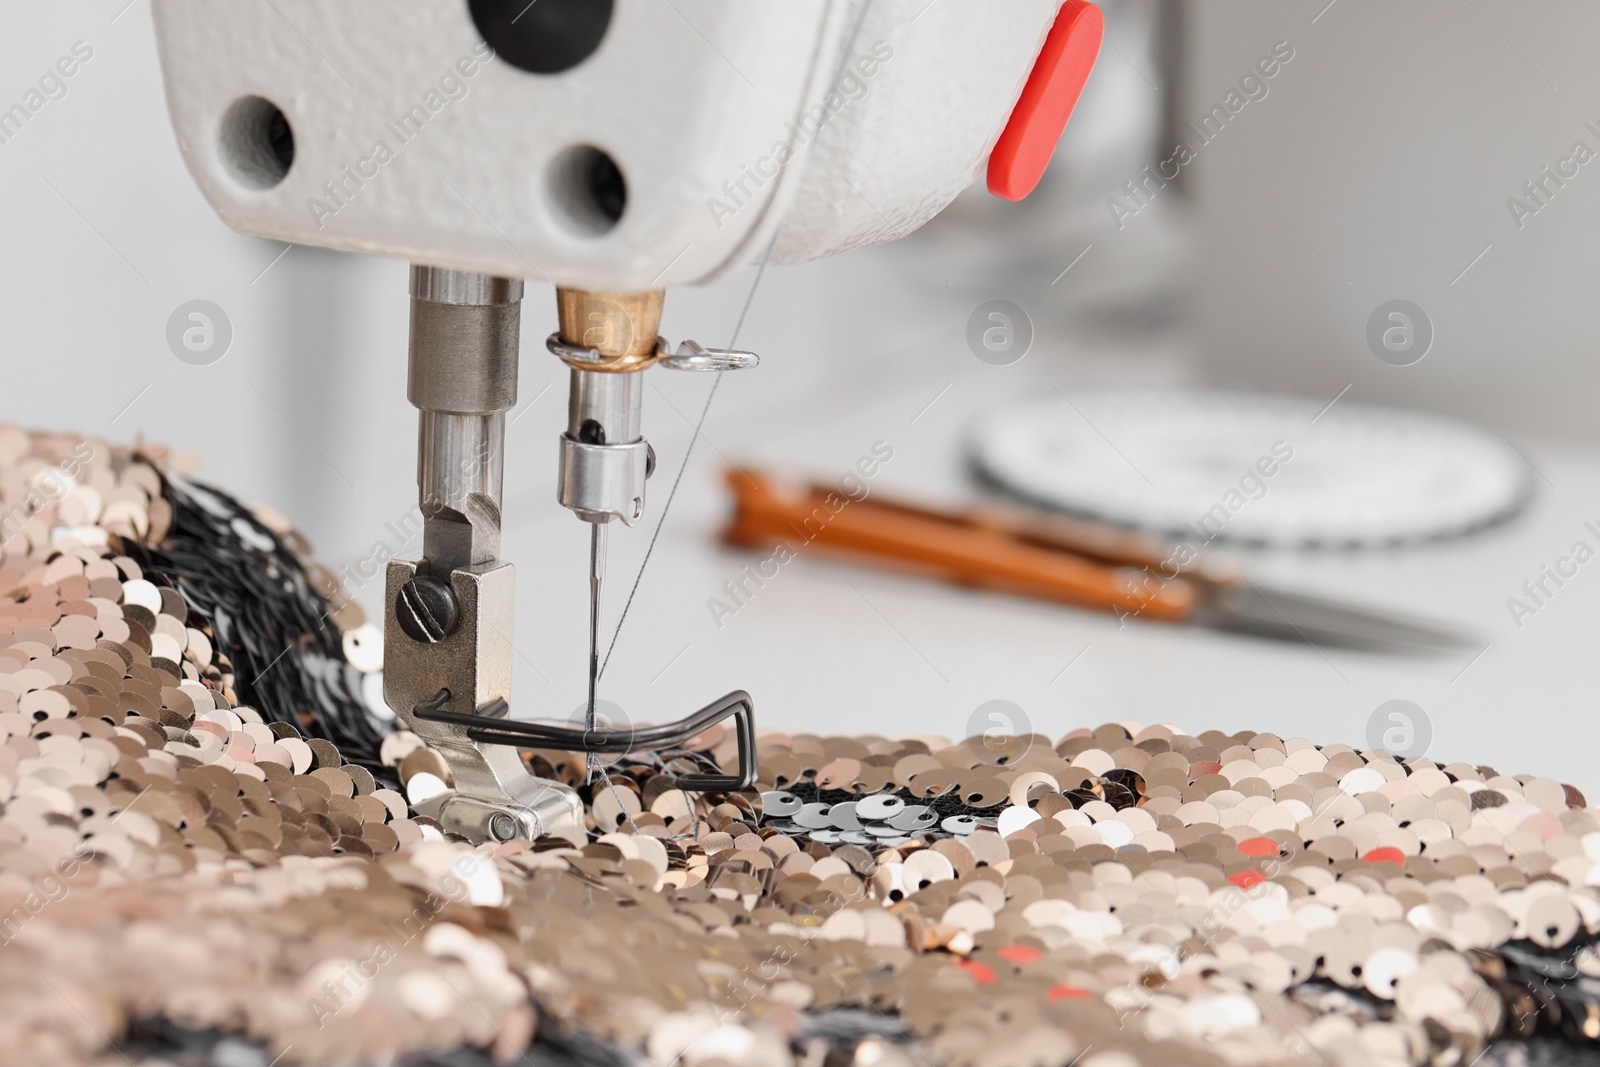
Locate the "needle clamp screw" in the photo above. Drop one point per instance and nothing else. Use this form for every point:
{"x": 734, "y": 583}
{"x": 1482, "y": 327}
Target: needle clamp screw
{"x": 426, "y": 609}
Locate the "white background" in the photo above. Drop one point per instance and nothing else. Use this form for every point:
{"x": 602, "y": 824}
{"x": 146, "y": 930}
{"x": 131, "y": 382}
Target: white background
{"x": 1392, "y": 148}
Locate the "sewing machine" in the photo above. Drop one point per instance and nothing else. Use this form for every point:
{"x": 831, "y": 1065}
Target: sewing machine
{"x": 614, "y": 148}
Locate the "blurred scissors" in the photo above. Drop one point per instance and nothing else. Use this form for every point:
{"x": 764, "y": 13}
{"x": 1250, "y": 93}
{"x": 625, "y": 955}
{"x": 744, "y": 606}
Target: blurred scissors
{"x": 1061, "y": 559}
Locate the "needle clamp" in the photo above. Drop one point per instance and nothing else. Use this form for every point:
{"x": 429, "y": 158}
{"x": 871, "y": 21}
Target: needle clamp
{"x": 603, "y": 479}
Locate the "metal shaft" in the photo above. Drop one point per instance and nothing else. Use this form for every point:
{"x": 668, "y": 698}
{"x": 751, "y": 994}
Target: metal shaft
{"x": 605, "y": 407}
{"x": 610, "y": 338}
{"x": 463, "y": 379}
{"x": 604, "y": 457}
{"x": 461, "y": 455}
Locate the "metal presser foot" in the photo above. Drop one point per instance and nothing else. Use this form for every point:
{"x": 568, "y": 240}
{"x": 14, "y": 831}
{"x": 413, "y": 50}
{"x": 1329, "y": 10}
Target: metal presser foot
{"x": 448, "y": 616}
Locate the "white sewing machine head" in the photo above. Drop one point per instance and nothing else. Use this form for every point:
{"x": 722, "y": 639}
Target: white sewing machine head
{"x": 600, "y": 144}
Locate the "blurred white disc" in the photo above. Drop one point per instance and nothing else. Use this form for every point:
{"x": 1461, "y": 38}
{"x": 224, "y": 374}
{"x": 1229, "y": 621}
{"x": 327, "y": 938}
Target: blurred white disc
{"x": 372, "y": 695}
{"x": 363, "y": 647}
{"x": 1205, "y": 465}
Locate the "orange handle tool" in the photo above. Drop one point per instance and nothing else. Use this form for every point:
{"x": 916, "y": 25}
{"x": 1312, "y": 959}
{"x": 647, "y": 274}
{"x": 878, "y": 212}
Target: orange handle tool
{"x": 957, "y": 549}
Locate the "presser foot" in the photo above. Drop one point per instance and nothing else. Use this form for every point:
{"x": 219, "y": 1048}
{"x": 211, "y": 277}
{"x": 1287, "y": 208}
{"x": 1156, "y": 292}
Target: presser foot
{"x": 494, "y": 729}
{"x": 464, "y": 651}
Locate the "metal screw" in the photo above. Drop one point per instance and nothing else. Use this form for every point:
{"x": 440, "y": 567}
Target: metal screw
{"x": 502, "y": 827}
{"x": 426, "y": 609}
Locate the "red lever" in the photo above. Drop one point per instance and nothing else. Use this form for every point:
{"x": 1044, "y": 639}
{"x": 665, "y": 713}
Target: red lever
{"x": 1029, "y": 139}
